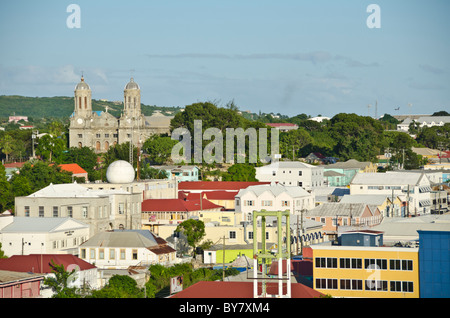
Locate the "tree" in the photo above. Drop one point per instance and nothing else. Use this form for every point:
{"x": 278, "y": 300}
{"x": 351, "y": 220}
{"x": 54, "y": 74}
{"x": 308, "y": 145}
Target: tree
{"x": 119, "y": 286}
{"x": 293, "y": 141}
{"x": 5, "y": 191}
{"x": 2, "y": 253}
{"x": 240, "y": 172}
{"x": 194, "y": 231}
{"x": 147, "y": 172}
{"x": 60, "y": 283}
{"x": 49, "y": 146}
{"x": 85, "y": 157}
{"x": 7, "y": 145}
{"x": 159, "y": 148}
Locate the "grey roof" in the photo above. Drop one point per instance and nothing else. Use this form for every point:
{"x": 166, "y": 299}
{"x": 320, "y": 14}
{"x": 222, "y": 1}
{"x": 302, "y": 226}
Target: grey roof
{"x": 349, "y": 164}
{"x": 408, "y": 227}
{"x": 121, "y": 239}
{"x": 82, "y": 85}
{"x": 275, "y": 190}
{"x": 36, "y": 224}
{"x": 158, "y": 120}
{"x": 132, "y": 85}
{"x": 11, "y": 276}
{"x": 288, "y": 164}
{"x": 73, "y": 190}
{"x": 394, "y": 178}
{"x": 373, "y": 199}
{"x": 339, "y": 209}
{"x": 331, "y": 173}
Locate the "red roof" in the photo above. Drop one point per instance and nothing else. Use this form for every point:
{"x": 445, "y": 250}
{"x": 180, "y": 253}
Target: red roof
{"x": 281, "y": 124}
{"x": 219, "y": 289}
{"x": 210, "y": 195}
{"x": 217, "y": 185}
{"x": 40, "y": 263}
{"x": 176, "y": 205}
{"x": 14, "y": 165}
{"x": 72, "y": 167}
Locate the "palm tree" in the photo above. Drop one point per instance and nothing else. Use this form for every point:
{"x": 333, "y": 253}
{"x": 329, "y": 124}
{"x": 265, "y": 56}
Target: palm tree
{"x": 6, "y": 143}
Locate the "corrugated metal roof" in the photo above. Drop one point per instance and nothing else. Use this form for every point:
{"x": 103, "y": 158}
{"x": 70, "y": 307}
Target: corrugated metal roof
{"x": 121, "y": 239}
{"x": 341, "y": 209}
{"x": 36, "y": 224}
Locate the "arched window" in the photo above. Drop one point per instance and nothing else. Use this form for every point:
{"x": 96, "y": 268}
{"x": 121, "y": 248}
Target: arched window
{"x": 106, "y": 145}
{"x": 80, "y": 145}
{"x": 97, "y": 146}
{"x": 79, "y": 102}
{"x": 85, "y": 102}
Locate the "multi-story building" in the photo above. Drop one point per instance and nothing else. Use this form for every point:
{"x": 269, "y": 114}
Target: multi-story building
{"x": 414, "y": 186}
{"x": 434, "y": 260}
{"x": 35, "y": 235}
{"x": 341, "y": 173}
{"x": 292, "y": 173}
{"x": 102, "y": 209}
{"x": 360, "y": 267}
{"x": 122, "y": 249}
{"x": 276, "y": 197}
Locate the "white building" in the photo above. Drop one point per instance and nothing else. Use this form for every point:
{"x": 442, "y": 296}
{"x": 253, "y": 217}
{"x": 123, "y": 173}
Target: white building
{"x": 34, "y": 235}
{"x": 415, "y": 187}
{"x": 292, "y": 173}
{"x": 424, "y": 121}
{"x": 122, "y": 249}
{"x": 101, "y": 209}
{"x": 273, "y": 197}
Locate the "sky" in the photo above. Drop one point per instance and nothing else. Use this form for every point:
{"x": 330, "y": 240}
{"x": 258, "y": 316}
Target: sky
{"x": 291, "y": 57}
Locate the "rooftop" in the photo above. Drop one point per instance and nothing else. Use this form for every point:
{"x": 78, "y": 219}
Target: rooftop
{"x": 177, "y": 205}
{"x": 219, "y": 289}
{"x": 217, "y": 185}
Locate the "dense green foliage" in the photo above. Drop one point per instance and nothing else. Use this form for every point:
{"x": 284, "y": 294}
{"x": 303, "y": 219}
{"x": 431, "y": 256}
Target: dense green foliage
{"x": 159, "y": 282}
{"x": 194, "y": 231}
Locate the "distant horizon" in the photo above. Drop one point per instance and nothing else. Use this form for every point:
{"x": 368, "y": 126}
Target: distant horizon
{"x": 241, "y": 110}
{"x": 291, "y": 57}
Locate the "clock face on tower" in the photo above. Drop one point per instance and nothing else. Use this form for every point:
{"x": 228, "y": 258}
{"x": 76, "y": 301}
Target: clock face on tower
{"x": 80, "y": 121}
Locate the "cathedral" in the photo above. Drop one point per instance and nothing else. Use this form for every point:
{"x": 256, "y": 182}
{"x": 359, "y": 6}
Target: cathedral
{"x": 99, "y": 129}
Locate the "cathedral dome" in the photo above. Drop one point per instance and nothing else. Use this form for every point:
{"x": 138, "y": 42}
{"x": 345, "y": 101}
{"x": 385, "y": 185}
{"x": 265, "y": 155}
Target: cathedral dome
{"x": 82, "y": 85}
{"x": 120, "y": 171}
{"x": 132, "y": 85}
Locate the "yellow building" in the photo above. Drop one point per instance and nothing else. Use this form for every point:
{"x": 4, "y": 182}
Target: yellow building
{"x": 366, "y": 271}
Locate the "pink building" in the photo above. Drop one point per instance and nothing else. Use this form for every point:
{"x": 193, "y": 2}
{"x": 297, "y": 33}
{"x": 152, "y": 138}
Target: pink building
{"x": 20, "y": 285}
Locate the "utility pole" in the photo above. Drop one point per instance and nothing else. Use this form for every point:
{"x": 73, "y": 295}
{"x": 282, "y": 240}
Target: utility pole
{"x": 223, "y": 261}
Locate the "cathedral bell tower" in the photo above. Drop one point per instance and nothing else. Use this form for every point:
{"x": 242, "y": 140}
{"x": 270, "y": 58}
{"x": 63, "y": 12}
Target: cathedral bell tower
{"x": 132, "y": 100}
{"x": 83, "y": 99}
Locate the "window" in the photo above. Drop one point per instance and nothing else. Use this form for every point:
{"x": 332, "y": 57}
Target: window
{"x": 232, "y": 235}
{"x": 351, "y": 284}
{"x": 134, "y": 254}
{"x": 106, "y": 135}
{"x": 405, "y": 287}
{"x": 372, "y": 263}
{"x": 249, "y": 203}
{"x": 92, "y": 256}
{"x": 354, "y": 263}
{"x": 122, "y": 253}
{"x": 69, "y": 211}
{"x": 41, "y": 211}
{"x": 322, "y": 220}
{"x": 83, "y": 253}
{"x": 274, "y": 173}
{"x": 121, "y": 208}
{"x": 112, "y": 253}
{"x": 326, "y": 283}
{"x": 300, "y": 184}
{"x": 55, "y": 211}
{"x": 266, "y": 203}
{"x": 326, "y": 262}
{"x": 84, "y": 212}
{"x": 101, "y": 253}
{"x": 400, "y": 265}
{"x": 284, "y": 203}
{"x": 98, "y": 135}
{"x": 250, "y": 235}
{"x": 376, "y": 285}
{"x": 80, "y": 135}
{"x": 27, "y": 210}
{"x": 300, "y": 173}
{"x": 237, "y": 202}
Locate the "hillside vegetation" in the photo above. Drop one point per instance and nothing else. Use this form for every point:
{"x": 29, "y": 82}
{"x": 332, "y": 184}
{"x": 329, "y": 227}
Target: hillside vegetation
{"x": 62, "y": 107}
